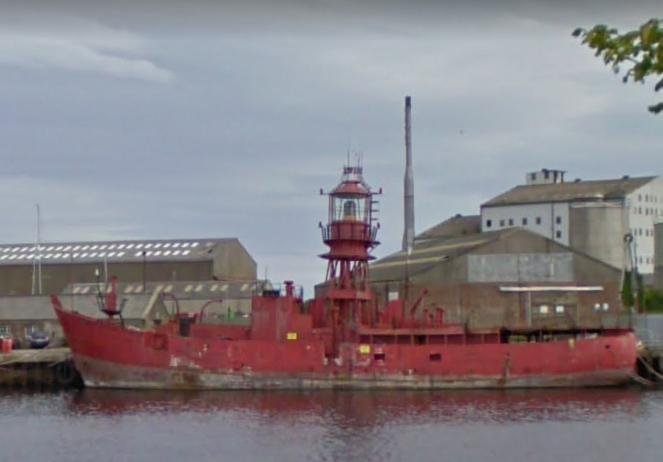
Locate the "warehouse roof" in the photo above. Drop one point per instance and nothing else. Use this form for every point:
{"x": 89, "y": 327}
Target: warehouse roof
{"x": 596, "y": 190}
{"x": 204, "y": 290}
{"x": 30, "y": 308}
{"x": 458, "y": 225}
{"x": 112, "y": 251}
{"x": 427, "y": 254}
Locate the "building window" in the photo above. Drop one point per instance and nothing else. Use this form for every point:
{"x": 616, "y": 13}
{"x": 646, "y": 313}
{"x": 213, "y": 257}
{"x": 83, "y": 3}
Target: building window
{"x": 640, "y": 210}
{"x": 524, "y": 221}
{"x": 510, "y": 221}
{"x": 558, "y": 234}
{"x": 502, "y": 223}
{"x": 639, "y": 197}
{"x": 4, "y": 331}
{"x": 489, "y": 223}
{"x": 532, "y": 176}
{"x": 558, "y": 220}
{"x": 538, "y": 220}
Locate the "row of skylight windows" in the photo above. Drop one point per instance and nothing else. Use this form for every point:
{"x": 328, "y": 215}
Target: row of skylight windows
{"x": 55, "y": 256}
{"x": 84, "y": 247}
{"x": 138, "y": 288}
{"x": 159, "y": 253}
{"x": 212, "y": 288}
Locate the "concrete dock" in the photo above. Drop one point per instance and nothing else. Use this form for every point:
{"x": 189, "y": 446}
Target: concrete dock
{"x": 45, "y": 368}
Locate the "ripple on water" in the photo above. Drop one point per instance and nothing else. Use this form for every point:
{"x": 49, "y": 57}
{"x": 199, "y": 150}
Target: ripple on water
{"x": 330, "y": 425}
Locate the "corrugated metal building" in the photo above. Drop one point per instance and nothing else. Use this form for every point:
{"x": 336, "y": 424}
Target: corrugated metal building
{"x": 227, "y": 299}
{"x": 589, "y": 216}
{"x": 136, "y": 261}
{"x": 508, "y": 278}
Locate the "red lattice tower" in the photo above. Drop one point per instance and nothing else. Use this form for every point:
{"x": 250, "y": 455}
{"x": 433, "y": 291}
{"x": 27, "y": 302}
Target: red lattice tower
{"x": 351, "y": 234}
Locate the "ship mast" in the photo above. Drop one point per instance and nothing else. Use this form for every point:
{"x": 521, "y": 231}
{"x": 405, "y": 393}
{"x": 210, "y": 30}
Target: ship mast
{"x": 350, "y": 234}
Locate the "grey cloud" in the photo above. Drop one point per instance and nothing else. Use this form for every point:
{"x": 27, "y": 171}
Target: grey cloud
{"x": 324, "y": 16}
{"x": 43, "y": 41}
{"x": 267, "y": 100}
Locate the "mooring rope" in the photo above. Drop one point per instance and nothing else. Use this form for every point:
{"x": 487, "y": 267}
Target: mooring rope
{"x": 642, "y": 381}
{"x": 649, "y": 367}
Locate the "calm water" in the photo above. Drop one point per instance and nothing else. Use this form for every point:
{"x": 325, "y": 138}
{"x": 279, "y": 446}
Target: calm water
{"x": 558, "y": 425}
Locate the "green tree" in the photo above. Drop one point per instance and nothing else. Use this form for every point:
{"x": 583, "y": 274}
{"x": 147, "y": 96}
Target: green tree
{"x": 641, "y": 50}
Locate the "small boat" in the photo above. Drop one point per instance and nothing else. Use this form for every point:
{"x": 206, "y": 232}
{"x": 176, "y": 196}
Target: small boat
{"x": 341, "y": 339}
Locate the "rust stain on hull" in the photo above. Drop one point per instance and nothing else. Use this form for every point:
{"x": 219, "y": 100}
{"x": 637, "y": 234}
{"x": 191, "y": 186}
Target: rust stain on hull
{"x": 101, "y": 374}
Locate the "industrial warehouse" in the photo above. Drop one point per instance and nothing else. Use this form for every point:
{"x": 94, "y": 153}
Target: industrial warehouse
{"x": 546, "y": 253}
{"x": 29, "y": 269}
{"x": 153, "y": 275}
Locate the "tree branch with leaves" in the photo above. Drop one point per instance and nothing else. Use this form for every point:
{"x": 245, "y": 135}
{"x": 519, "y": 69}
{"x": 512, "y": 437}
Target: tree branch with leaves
{"x": 641, "y": 50}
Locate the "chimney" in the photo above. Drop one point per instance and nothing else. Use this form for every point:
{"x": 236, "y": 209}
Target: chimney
{"x": 408, "y": 193}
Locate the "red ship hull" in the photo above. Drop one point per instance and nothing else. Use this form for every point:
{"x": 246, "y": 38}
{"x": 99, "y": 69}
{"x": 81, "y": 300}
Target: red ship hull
{"x": 217, "y": 357}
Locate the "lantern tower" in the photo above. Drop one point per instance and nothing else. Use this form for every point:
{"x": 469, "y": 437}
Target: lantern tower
{"x": 350, "y": 234}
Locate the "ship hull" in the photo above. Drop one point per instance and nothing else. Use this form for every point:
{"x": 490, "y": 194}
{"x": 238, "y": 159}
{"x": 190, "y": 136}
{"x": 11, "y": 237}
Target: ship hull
{"x": 108, "y": 355}
{"x": 103, "y": 374}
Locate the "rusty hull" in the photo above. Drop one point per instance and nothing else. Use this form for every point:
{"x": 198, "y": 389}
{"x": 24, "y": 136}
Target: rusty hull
{"x": 103, "y": 374}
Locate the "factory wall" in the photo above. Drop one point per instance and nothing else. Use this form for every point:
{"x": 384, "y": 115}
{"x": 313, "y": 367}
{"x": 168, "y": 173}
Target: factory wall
{"x": 598, "y": 230}
{"x": 468, "y": 286}
{"x": 18, "y": 279}
{"x": 486, "y": 306}
{"x": 645, "y": 206}
{"x": 233, "y": 262}
{"x": 549, "y": 219}
{"x": 658, "y": 255}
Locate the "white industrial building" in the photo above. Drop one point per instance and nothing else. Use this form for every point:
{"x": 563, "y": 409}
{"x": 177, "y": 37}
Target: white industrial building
{"x": 590, "y": 216}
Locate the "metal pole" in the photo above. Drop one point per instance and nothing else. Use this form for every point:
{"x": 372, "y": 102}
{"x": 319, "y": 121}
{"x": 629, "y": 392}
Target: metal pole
{"x": 529, "y": 308}
{"x": 408, "y": 193}
{"x": 39, "y": 249}
{"x": 144, "y": 268}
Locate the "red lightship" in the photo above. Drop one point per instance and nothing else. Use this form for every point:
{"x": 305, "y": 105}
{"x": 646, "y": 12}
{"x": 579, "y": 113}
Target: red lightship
{"x": 341, "y": 339}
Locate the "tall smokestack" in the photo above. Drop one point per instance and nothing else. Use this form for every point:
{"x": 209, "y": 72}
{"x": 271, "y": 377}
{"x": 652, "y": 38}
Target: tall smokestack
{"x": 408, "y": 192}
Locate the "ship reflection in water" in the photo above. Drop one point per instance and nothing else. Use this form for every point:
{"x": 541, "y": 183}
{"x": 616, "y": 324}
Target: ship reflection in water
{"x": 542, "y": 425}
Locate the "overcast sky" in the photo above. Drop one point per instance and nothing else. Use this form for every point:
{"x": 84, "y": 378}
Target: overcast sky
{"x": 163, "y": 119}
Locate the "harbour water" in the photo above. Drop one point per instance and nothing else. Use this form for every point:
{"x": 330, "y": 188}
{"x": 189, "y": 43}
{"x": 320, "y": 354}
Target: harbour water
{"x": 523, "y": 425}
